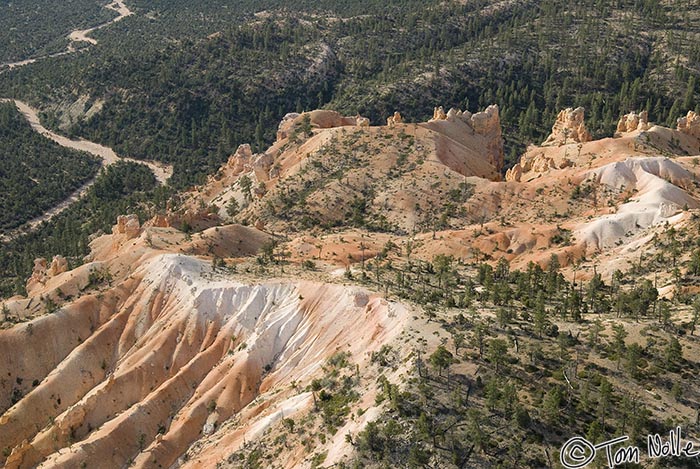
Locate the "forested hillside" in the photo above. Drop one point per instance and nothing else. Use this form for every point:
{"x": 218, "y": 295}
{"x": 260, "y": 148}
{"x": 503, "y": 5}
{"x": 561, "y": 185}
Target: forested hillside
{"x": 121, "y": 188}
{"x": 36, "y": 172}
{"x": 186, "y": 84}
{"x": 521, "y": 361}
{"x": 30, "y": 28}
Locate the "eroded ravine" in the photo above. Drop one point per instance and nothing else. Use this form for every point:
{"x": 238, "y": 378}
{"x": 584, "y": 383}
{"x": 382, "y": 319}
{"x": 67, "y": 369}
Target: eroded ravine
{"x": 149, "y": 356}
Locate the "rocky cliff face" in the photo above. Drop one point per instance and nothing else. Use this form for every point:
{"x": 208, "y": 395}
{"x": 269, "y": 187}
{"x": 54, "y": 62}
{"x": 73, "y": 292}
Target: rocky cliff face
{"x": 486, "y": 123}
{"x": 569, "y": 128}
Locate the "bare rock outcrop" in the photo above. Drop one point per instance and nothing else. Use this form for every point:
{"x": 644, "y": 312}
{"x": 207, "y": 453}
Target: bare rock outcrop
{"x": 515, "y": 173}
{"x": 452, "y": 115}
{"x": 439, "y": 114}
{"x": 39, "y": 274}
{"x": 59, "y": 264}
{"x": 318, "y": 119}
{"x": 537, "y": 163}
{"x": 158, "y": 221}
{"x": 262, "y": 164}
{"x": 395, "y": 119}
{"x": 242, "y": 158}
{"x": 690, "y": 124}
{"x": 633, "y": 121}
{"x": 244, "y": 161}
{"x": 569, "y": 128}
{"x": 285, "y": 125}
{"x": 486, "y": 123}
{"x": 128, "y": 225}
{"x": 43, "y": 271}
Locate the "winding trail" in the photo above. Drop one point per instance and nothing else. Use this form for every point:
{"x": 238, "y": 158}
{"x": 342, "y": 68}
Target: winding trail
{"x": 107, "y": 156}
{"x": 79, "y": 35}
{"x": 82, "y": 35}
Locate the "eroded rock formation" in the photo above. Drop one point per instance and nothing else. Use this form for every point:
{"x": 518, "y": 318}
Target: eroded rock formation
{"x": 59, "y": 264}
{"x": 395, "y": 119}
{"x": 38, "y": 276}
{"x": 128, "y": 225}
{"x": 569, "y": 128}
{"x": 362, "y": 121}
{"x": 158, "y": 221}
{"x": 239, "y": 160}
{"x": 486, "y": 123}
{"x": 537, "y": 163}
{"x": 319, "y": 119}
{"x": 633, "y": 121}
{"x": 690, "y": 124}
{"x": 43, "y": 271}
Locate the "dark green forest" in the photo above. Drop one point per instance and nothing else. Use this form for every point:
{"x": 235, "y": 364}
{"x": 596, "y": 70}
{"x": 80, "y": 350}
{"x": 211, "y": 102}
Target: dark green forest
{"x": 36, "y": 173}
{"x": 32, "y": 28}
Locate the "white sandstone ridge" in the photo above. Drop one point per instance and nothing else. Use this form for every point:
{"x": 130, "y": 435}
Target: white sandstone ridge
{"x": 164, "y": 344}
{"x": 569, "y": 127}
{"x": 486, "y": 124}
{"x": 658, "y": 185}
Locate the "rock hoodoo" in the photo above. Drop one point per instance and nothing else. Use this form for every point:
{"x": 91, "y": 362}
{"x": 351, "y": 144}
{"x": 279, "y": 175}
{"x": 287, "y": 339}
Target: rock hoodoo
{"x": 158, "y": 221}
{"x": 633, "y": 121}
{"x": 362, "y": 121}
{"x": 128, "y": 225}
{"x": 395, "y": 119}
{"x": 537, "y": 163}
{"x": 244, "y": 161}
{"x": 38, "y": 276}
{"x": 241, "y": 159}
{"x": 43, "y": 271}
{"x": 569, "y": 128}
{"x": 439, "y": 114}
{"x": 59, "y": 264}
{"x": 690, "y": 124}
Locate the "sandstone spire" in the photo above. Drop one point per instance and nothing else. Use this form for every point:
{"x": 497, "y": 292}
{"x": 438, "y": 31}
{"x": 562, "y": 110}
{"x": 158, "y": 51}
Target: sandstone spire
{"x": 569, "y": 128}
